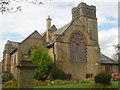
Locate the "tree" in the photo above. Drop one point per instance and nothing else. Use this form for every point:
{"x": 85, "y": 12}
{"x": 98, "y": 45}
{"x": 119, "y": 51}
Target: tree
{"x": 43, "y": 62}
{"x": 5, "y": 5}
{"x": 117, "y": 52}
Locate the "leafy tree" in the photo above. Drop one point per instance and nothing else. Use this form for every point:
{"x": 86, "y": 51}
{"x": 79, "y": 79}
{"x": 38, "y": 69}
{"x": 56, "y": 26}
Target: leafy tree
{"x": 43, "y": 62}
{"x": 116, "y": 56}
{"x": 5, "y": 5}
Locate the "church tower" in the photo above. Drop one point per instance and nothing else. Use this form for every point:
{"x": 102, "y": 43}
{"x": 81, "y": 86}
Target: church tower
{"x": 87, "y": 15}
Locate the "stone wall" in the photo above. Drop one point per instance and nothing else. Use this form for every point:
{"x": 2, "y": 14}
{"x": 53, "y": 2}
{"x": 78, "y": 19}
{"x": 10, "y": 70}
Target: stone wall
{"x": 113, "y": 68}
{"x": 25, "y": 74}
{"x": 14, "y": 63}
{"x": 78, "y": 70}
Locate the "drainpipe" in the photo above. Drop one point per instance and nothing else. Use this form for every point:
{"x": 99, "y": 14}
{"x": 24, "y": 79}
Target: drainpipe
{"x": 54, "y": 59}
{"x": 54, "y": 56}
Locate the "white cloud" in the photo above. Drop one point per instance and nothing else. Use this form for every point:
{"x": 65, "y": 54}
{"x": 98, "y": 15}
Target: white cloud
{"x": 108, "y": 38}
{"x": 2, "y": 42}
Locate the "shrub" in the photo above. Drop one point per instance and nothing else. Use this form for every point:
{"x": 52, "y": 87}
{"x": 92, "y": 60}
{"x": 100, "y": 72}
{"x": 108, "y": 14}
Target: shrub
{"x": 59, "y": 74}
{"x": 6, "y": 76}
{"x": 58, "y": 82}
{"x": 115, "y": 76}
{"x": 37, "y": 82}
{"x": 103, "y": 78}
{"x": 10, "y": 84}
{"x": 68, "y": 82}
{"x": 48, "y": 82}
{"x": 74, "y": 82}
{"x": 84, "y": 80}
{"x": 89, "y": 80}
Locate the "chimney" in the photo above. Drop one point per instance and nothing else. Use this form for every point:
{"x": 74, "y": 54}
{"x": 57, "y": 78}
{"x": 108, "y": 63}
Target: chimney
{"x": 48, "y": 29}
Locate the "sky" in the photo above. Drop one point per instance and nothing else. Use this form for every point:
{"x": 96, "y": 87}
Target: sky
{"x": 17, "y": 26}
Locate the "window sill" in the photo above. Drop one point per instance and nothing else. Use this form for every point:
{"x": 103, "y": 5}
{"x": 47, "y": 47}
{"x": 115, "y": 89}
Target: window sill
{"x": 78, "y": 61}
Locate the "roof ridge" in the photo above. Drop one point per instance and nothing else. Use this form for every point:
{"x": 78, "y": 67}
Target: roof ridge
{"x": 9, "y": 41}
{"x": 30, "y": 35}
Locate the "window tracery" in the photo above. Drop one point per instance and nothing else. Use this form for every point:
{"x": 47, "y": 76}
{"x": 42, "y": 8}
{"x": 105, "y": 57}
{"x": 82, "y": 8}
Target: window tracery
{"x": 78, "y": 47}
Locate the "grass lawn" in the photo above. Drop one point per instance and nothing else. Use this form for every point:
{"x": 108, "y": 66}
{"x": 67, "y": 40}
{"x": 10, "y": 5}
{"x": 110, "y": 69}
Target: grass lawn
{"x": 116, "y": 84}
{"x": 79, "y": 85}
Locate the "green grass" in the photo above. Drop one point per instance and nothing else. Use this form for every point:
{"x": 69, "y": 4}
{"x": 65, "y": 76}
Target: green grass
{"x": 79, "y": 85}
{"x": 116, "y": 84}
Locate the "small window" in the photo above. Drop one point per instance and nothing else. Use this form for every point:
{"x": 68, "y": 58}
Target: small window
{"x": 107, "y": 68}
{"x": 68, "y": 76}
{"x": 89, "y": 75}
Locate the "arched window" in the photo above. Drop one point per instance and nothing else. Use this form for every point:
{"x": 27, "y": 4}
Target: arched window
{"x": 77, "y": 47}
{"x": 30, "y": 50}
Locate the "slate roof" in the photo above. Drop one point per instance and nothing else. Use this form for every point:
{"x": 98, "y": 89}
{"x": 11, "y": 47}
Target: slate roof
{"x": 106, "y": 60}
{"x": 13, "y": 44}
{"x": 62, "y": 29}
{"x": 15, "y": 49}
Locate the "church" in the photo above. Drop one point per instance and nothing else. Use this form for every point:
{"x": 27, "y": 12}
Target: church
{"x": 73, "y": 47}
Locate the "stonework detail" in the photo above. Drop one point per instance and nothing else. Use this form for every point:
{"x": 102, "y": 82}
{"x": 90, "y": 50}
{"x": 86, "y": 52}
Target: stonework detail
{"x": 25, "y": 74}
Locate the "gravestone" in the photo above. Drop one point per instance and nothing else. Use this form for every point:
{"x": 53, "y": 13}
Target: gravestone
{"x": 25, "y": 74}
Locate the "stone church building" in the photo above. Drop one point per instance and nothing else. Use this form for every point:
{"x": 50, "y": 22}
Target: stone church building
{"x": 73, "y": 47}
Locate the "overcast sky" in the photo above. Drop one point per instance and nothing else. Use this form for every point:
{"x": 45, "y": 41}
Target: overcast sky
{"x": 17, "y": 26}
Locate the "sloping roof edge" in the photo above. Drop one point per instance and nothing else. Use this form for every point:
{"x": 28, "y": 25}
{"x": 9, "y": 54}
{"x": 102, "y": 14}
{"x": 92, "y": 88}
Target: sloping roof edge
{"x": 106, "y": 60}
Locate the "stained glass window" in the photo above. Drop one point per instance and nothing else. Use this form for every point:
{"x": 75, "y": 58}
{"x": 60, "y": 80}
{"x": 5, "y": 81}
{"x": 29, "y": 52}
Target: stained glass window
{"x": 78, "y": 47}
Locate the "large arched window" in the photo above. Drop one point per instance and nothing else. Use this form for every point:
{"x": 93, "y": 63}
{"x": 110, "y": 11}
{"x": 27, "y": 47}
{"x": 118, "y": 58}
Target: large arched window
{"x": 77, "y": 47}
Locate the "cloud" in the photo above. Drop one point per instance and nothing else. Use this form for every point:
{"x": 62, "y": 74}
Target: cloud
{"x": 2, "y": 43}
{"x": 108, "y": 38}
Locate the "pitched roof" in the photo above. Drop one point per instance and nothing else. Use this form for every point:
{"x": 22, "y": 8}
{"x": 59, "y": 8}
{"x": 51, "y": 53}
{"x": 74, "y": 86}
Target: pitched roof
{"x": 31, "y": 35}
{"x": 43, "y": 34}
{"x": 62, "y": 29}
{"x": 15, "y": 49}
{"x": 53, "y": 28}
{"x": 12, "y": 41}
{"x": 106, "y": 60}
{"x": 13, "y": 44}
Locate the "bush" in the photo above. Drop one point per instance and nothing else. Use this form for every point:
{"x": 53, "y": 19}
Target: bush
{"x": 6, "y": 76}
{"x": 103, "y": 78}
{"x": 89, "y": 80}
{"x": 84, "y": 80}
{"x": 58, "y": 82}
{"x": 38, "y": 83}
{"x": 115, "y": 76}
{"x": 59, "y": 74}
{"x": 10, "y": 84}
{"x": 48, "y": 82}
